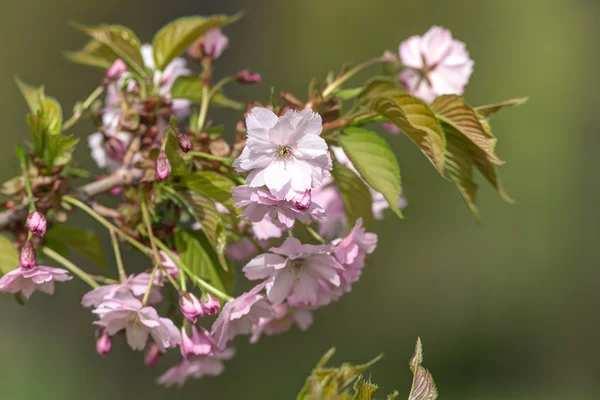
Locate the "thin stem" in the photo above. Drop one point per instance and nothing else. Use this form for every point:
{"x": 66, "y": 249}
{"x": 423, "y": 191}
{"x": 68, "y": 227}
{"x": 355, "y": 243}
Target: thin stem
{"x": 149, "y": 287}
{"x": 157, "y": 260}
{"x": 225, "y": 160}
{"x": 86, "y": 104}
{"x": 183, "y": 281}
{"x": 220, "y": 85}
{"x": 115, "y": 244}
{"x": 314, "y": 234}
{"x": 82, "y": 206}
{"x": 341, "y": 79}
{"x": 70, "y": 266}
{"x": 103, "y": 279}
{"x": 203, "y": 108}
{"x": 182, "y": 267}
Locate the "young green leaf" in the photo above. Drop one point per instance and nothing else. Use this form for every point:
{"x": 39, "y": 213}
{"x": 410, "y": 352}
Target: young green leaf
{"x": 120, "y": 42}
{"x": 9, "y": 256}
{"x": 379, "y": 86}
{"x": 417, "y": 121}
{"x": 39, "y": 103}
{"x": 487, "y": 110}
{"x": 348, "y": 94}
{"x": 211, "y": 184}
{"x": 62, "y": 238}
{"x": 178, "y": 35}
{"x": 172, "y": 150}
{"x": 355, "y": 195}
{"x": 205, "y": 212}
{"x": 58, "y": 149}
{"x": 94, "y": 54}
{"x": 200, "y": 257}
{"x": 190, "y": 88}
{"x": 423, "y": 386}
{"x": 375, "y": 161}
{"x": 454, "y": 111}
{"x": 364, "y": 390}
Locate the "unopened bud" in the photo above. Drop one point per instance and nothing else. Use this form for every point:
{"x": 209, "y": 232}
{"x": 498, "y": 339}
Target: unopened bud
{"x": 115, "y": 149}
{"x": 152, "y": 355}
{"x": 103, "y": 344}
{"x": 302, "y": 200}
{"x": 190, "y": 306}
{"x": 184, "y": 142}
{"x": 36, "y": 222}
{"x": 162, "y": 167}
{"x": 27, "y": 257}
{"x": 211, "y": 305}
{"x": 115, "y": 72}
{"x": 247, "y": 77}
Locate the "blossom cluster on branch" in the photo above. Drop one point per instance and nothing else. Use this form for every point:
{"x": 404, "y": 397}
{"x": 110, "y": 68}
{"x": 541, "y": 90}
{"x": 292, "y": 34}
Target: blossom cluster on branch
{"x": 289, "y": 196}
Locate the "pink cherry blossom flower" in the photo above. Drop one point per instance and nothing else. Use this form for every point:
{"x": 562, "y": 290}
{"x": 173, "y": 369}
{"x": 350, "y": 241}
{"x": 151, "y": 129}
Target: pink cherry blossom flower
{"x": 36, "y": 222}
{"x": 351, "y": 252}
{"x": 135, "y": 284}
{"x": 115, "y": 72}
{"x": 211, "y": 305}
{"x": 214, "y": 42}
{"x": 200, "y": 343}
{"x": 266, "y": 229}
{"x": 239, "y": 315}
{"x": 195, "y": 367}
{"x": 281, "y": 321}
{"x": 241, "y": 250}
{"x": 294, "y": 268}
{"x": 260, "y": 203}
{"x": 437, "y": 64}
{"x": 126, "y": 312}
{"x": 247, "y": 77}
{"x": 28, "y": 280}
{"x": 27, "y": 258}
{"x": 152, "y": 355}
{"x": 103, "y": 344}
{"x": 190, "y": 306}
{"x": 285, "y": 152}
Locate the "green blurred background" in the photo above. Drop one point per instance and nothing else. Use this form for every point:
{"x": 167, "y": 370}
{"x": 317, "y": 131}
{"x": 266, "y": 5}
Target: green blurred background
{"x": 506, "y": 310}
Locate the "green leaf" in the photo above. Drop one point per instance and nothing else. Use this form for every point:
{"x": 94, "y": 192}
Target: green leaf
{"x": 418, "y": 122}
{"x": 119, "y": 42}
{"x": 172, "y": 150}
{"x": 355, "y": 195}
{"x": 175, "y": 37}
{"x": 9, "y": 256}
{"x": 39, "y": 103}
{"x": 33, "y": 96}
{"x": 63, "y": 238}
{"x": 423, "y": 386}
{"x": 379, "y": 86}
{"x": 190, "y": 88}
{"x": 205, "y": 212}
{"x": 211, "y": 184}
{"x": 348, "y": 94}
{"x": 376, "y": 162}
{"x": 58, "y": 149}
{"x": 200, "y": 257}
{"x": 487, "y": 110}
{"x": 453, "y": 110}
{"x": 94, "y": 54}
{"x": 364, "y": 390}
{"x": 326, "y": 383}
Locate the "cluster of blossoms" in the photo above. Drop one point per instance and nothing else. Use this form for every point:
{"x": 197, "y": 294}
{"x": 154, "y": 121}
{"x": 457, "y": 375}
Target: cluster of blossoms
{"x": 278, "y": 184}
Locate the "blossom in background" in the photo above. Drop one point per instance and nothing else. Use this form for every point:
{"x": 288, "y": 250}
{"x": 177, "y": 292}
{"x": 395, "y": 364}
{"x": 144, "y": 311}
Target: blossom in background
{"x": 436, "y": 64}
{"x": 351, "y": 252}
{"x": 240, "y": 315}
{"x": 195, "y": 367}
{"x": 200, "y": 343}
{"x": 286, "y": 154}
{"x": 124, "y": 311}
{"x": 259, "y": 204}
{"x": 28, "y": 280}
{"x": 335, "y": 221}
{"x": 295, "y": 269}
{"x": 281, "y": 321}
{"x": 135, "y": 284}
{"x": 211, "y": 305}
{"x": 212, "y": 44}
{"x": 152, "y": 355}
{"x": 190, "y": 306}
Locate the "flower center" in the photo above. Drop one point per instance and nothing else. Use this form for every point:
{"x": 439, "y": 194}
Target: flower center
{"x": 284, "y": 151}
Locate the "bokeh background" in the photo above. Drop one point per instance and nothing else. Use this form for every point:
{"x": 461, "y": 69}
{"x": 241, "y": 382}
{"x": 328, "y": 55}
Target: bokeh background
{"x": 506, "y": 310}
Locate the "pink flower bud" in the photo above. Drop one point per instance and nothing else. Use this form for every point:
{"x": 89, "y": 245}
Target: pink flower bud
{"x": 103, "y": 344}
{"x": 302, "y": 200}
{"x": 247, "y": 77}
{"x": 36, "y": 222}
{"x": 162, "y": 167}
{"x": 115, "y": 149}
{"x": 214, "y": 43}
{"x": 27, "y": 258}
{"x": 190, "y": 306}
{"x": 211, "y": 305}
{"x": 115, "y": 72}
{"x": 199, "y": 344}
{"x": 152, "y": 355}
{"x": 184, "y": 142}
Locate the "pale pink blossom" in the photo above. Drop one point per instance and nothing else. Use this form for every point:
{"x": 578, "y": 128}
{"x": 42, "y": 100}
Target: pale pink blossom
{"x": 153, "y": 354}
{"x": 295, "y": 269}
{"x": 135, "y": 284}
{"x": 214, "y": 42}
{"x": 284, "y": 153}
{"x": 126, "y": 312}
{"x": 195, "y": 367}
{"x": 36, "y": 222}
{"x": 115, "y": 72}
{"x": 281, "y": 321}
{"x": 240, "y": 315}
{"x": 190, "y": 306}
{"x": 241, "y": 250}
{"x": 260, "y": 203}
{"x": 352, "y": 251}
{"x": 103, "y": 343}
{"x": 436, "y": 64}
{"x": 200, "y": 343}
{"x": 28, "y": 280}
{"x": 266, "y": 229}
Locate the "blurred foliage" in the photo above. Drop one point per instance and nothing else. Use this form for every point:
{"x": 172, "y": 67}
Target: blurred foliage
{"x": 509, "y": 309}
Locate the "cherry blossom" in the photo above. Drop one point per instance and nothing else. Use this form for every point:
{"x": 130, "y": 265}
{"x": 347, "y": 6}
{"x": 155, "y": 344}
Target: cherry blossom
{"x": 28, "y": 280}
{"x": 281, "y": 321}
